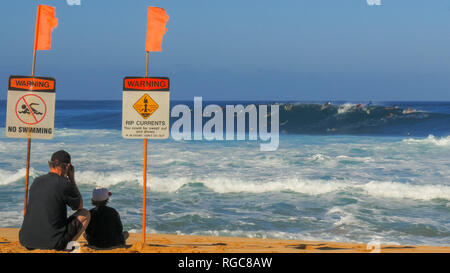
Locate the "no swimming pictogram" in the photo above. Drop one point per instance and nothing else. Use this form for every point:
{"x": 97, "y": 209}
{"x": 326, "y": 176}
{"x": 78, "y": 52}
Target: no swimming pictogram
{"x": 31, "y": 109}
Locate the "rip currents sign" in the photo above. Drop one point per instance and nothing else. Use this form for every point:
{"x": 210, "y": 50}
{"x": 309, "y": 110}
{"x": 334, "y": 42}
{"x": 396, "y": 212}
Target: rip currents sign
{"x": 146, "y": 108}
{"x": 30, "y": 107}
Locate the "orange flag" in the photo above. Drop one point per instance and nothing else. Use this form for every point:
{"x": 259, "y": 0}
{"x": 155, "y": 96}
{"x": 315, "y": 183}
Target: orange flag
{"x": 156, "y": 28}
{"x": 45, "y": 23}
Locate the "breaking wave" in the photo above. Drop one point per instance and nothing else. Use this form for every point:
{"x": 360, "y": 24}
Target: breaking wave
{"x": 226, "y": 185}
{"x": 359, "y": 119}
{"x": 430, "y": 140}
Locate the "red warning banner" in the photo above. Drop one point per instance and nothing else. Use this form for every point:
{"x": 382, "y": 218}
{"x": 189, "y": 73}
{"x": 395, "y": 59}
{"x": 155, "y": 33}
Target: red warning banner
{"x": 26, "y": 83}
{"x": 146, "y": 84}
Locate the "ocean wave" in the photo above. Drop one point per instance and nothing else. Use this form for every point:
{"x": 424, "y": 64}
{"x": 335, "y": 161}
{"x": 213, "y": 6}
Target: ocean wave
{"x": 294, "y": 118}
{"x": 260, "y": 234}
{"x": 218, "y": 185}
{"x": 273, "y": 234}
{"x": 430, "y": 140}
{"x": 346, "y": 107}
{"x": 354, "y": 159}
{"x": 359, "y": 119}
{"x": 319, "y": 158}
{"x": 69, "y": 132}
{"x": 405, "y": 190}
{"x": 310, "y": 187}
{"x": 313, "y": 187}
{"x": 8, "y": 177}
{"x": 345, "y": 218}
{"x": 106, "y": 179}
{"x": 12, "y": 218}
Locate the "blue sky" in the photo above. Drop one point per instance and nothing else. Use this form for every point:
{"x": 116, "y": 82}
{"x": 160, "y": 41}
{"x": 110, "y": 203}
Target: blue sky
{"x": 240, "y": 50}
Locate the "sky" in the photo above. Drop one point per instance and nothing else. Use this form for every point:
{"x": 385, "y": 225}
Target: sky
{"x": 305, "y": 50}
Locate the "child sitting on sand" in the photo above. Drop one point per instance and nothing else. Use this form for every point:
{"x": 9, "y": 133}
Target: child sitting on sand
{"x": 105, "y": 228}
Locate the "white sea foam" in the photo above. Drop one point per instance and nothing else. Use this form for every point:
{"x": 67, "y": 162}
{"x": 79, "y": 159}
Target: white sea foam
{"x": 170, "y": 215}
{"x": 345, "y": 108}
{"x": 430, "y": 140}
{"x": 248, "y": 234}
{"x": 405, "y": 190}
{"x": 319, "y": 157}
{"x": 168, "y": 184}
{"x": 12, "y": 218}
{"x": 383, "y": 189}
{"x": 358, "y": 159}
{"x": 106, "y": 179}
{"x": 8, "y": 177}
{"x": 271, "y": 234}
{"x": 345, "y": 217}
{"x": 66, "y": 132}
{"x": 311, "y": 187}
{"x": 218, "y": 185}
{"x": 222, "y": 186}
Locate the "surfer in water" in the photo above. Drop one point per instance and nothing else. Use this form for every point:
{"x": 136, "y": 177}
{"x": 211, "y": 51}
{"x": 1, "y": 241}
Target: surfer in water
{"x": 409, "y": 111}
{"x": 325, "y": 105}
{"x": 288, "y": 107}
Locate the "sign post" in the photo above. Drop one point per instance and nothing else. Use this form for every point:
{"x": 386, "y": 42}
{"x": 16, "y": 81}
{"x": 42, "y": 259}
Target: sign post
{"x": 30, "y": 113}
{"x": 146, "y": 100}
{"x": 145, "y": 115}
{"x": 31, "y": 100}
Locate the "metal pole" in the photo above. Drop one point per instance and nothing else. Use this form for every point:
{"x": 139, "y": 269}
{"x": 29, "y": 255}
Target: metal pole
{"x": 146, "y": 67}
{"x": 34, "y": 63}
{"x": 144, "y": 203}
{"x": 27, "y": 174}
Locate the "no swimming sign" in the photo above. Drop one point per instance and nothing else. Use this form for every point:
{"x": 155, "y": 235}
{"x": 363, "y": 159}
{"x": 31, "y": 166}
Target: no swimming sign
{"x": 30, "y": 107}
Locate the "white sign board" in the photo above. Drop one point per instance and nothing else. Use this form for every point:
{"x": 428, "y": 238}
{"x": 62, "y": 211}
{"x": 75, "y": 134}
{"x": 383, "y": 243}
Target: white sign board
{"x": 146, "y": 108}
{"x": 30, "y": 110}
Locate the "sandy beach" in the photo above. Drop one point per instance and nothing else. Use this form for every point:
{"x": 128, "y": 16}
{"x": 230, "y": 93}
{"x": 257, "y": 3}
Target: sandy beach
{"x": 170, "y": 243}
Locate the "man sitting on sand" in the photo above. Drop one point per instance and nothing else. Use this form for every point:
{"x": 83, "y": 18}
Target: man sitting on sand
{"x": 45, "y": 225}
{"x": 105, "y": 229}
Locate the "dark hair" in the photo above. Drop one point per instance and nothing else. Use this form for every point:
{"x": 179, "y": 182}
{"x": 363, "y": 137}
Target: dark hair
{"x": 61, "y": 156}
{"x": 56, "y": 164}
{"x": 99, "y": 203}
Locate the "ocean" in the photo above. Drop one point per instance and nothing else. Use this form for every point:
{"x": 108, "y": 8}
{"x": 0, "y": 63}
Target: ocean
{"x": 342, "y": 172}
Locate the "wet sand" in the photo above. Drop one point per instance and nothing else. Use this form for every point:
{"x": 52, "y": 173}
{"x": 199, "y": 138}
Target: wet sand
{"x": 170, "y": 243}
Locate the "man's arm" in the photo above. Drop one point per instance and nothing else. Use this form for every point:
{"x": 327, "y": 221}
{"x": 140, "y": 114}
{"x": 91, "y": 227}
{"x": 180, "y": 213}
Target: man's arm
{"x": 71, "y": 177}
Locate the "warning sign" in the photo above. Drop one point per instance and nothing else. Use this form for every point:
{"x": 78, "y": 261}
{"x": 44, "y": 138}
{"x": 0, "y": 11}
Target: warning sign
{"x": 146, "y": 84}
{"x": 30, "y": 83}
{"x": 146, "y": 108}
{"x": 30, "y": 107}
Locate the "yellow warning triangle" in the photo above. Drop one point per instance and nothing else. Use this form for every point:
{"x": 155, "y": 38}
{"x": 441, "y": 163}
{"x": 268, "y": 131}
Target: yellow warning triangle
{"x": 145, "y": 106}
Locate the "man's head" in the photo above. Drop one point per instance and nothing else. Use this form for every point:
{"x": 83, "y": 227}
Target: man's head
{"x": 60, "y": 162}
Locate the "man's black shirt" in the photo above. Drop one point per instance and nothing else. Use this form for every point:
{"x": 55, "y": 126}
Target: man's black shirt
{"x": 45, "y": 221}
{"x": 105, "y": 228}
